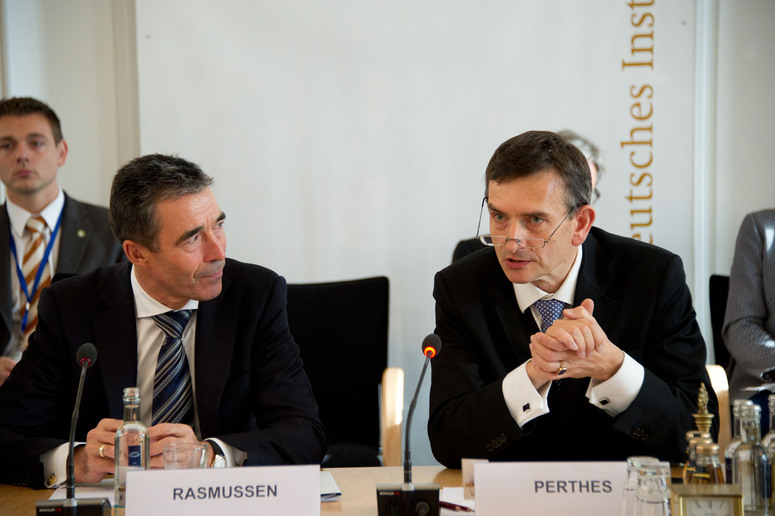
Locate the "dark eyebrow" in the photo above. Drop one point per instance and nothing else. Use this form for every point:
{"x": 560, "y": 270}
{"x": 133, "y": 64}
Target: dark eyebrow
{"x": 188, "y": 234}
{"x": 490, "y": 207}
{"x": 191, "y": 232}
{"x": 539, "y": 214}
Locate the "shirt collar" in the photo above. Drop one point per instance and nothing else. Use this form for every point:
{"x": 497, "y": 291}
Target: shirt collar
{"x": 527, "y": 293}
{"x": 146, "y": 306}
{"x": 18, "y": 216}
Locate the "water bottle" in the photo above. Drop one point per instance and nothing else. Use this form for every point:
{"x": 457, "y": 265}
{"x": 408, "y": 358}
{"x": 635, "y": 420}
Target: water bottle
{"x": 132, "y": 445}
{"x": 768, "y": 439}
{"x": 729, "y": 453}
{"x": 752, "y": 464}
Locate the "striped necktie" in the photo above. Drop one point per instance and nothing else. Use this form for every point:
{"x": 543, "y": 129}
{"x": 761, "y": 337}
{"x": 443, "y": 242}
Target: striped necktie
{"x": 173, "y": 400}
{"x": 33, "y": 257}
{"x": 550, "y": 310}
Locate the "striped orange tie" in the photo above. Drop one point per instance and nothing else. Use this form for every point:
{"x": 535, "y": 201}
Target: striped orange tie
{"x": 33, "y": 255}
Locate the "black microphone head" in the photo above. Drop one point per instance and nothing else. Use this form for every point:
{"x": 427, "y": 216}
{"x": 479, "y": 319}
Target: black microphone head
{"x": 431, "y": 345}
{"x": 87, "y": 352}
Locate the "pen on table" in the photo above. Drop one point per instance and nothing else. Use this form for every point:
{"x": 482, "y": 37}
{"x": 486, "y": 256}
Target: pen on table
{"x": 455, "y": 507}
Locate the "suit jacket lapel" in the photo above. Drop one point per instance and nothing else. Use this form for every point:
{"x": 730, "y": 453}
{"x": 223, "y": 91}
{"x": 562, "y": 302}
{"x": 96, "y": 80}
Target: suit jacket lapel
{"x": 594, "y": 277}
{"x": 214, "y": 346}
{"x": 5, "y": 281}
{"x": 517, "y": 326}
{"x": 76, "y": 231}
{"x": 115, "y": 335}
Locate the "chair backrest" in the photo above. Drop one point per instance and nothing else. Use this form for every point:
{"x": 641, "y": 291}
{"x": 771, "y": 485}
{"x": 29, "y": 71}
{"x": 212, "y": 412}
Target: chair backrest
{"x": 392, "y": 415}
{"x": 466, "y": 247}
{"x": 342, "y": 332}
{"x": 718, "y": 291}
{"x": 720, "y": 384}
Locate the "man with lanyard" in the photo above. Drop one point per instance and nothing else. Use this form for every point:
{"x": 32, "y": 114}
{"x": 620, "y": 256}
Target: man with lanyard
{"x": 46, "y": 231}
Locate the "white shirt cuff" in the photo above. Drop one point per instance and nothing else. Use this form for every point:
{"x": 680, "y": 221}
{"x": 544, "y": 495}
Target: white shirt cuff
{"x": 616, "y": 394}
{"x": 525, "y": 403}
{"x": 234, "y": 456}
{"x": 55, "y": 465}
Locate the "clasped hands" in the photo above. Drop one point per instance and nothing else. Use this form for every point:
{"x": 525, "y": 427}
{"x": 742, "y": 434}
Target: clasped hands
{"x": 93, "y": 461}
{"x": 573, "y": 347}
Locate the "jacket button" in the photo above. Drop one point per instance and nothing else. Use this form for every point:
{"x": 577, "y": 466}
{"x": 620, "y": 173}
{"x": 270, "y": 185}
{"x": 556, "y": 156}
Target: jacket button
{"x": 640, "y": 433}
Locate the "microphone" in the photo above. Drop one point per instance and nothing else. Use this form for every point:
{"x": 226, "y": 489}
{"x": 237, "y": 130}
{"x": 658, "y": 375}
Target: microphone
{"x": 86, "y": 356}
{"x": 410, "y": 499}
{"x": 430, "y": 347}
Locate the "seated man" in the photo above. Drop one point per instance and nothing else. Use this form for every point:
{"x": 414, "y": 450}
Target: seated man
{"x": 749, "y": 322}
{"x": 242, "y": 384}
{"x": 564, "y": 342}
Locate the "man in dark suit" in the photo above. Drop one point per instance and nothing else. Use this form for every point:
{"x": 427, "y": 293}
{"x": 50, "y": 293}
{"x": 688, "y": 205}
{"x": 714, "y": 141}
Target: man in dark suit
{"x": 617, "y": 374}
{"x": 31, "y": 151}
{"x": 251, "y": 400}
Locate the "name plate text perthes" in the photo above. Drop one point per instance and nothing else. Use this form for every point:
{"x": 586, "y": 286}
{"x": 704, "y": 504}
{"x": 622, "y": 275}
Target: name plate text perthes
{"x": 271, "y": 490}
{"x": 578, "y": 488}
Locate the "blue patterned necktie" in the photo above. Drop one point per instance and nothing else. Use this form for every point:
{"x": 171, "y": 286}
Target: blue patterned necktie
{"x": 550, "y": 310}
{"x": 173, "y": 400}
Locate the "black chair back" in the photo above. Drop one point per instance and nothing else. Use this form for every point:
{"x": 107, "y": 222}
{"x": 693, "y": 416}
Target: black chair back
{"x": 342, "y": 332}
{"x": 718, "y": 291}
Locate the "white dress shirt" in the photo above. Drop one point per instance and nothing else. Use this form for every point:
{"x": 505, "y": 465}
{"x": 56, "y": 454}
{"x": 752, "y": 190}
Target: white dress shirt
{"x": 18, "y": 217}
{"x": 525, "y": 403}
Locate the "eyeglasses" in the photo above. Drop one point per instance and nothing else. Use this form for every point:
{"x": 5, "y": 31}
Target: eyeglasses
{"x": 522, "y": 243}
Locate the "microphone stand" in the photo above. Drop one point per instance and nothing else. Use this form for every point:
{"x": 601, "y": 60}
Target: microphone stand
{"x": 410, "y": 414}
{"x": 86, "y": 356}
{"x": 408, "y": 499}
{"x": 70, "y": 502}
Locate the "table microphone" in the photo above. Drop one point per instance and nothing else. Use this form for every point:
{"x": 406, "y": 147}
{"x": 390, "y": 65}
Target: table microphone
{"x": 430, "y": 347}
{"x": 409, "y": 498}
{"x": 85, "y": 356}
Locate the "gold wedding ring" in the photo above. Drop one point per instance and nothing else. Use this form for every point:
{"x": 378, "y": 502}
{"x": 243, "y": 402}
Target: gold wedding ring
{"x": 563, "y": 368}
{"x": 102, "y": 451}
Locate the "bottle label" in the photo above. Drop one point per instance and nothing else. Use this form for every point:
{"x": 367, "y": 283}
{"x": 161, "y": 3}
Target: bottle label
{"x": 135, "y": 455}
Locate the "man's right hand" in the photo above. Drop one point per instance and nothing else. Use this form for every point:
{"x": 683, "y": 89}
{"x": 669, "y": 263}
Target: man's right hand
{"x": 89, "y": 466}
{"x": 6, "y": 364}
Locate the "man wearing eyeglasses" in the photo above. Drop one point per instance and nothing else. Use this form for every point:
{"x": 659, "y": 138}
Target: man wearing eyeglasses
{"x": 562, "y": 341}
{"x": 596, "y": 169}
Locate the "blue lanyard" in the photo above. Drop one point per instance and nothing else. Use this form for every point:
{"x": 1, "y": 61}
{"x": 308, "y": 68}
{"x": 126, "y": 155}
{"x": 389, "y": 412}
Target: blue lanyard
{"x": 41, "y": 267}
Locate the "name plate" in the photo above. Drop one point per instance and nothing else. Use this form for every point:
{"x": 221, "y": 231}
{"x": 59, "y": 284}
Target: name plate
{"x": 270, "y": 490}
{"x": 578, "y": 488}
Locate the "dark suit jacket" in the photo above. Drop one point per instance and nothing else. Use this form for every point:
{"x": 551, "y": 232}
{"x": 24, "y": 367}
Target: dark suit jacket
{"x": 251, "y": 389}
{"x": 86, "y": 243}
{"x": 641, "y": 302}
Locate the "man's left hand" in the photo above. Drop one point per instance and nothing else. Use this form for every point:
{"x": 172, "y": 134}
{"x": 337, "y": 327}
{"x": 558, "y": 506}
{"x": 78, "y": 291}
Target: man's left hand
{"x": 578, "y": 344}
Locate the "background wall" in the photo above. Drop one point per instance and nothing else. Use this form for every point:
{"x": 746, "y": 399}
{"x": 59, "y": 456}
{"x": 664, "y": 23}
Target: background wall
{"x": 349, "y": 138}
